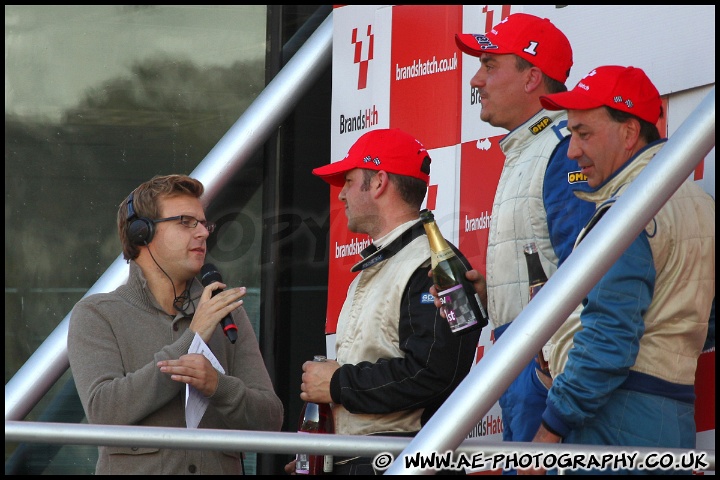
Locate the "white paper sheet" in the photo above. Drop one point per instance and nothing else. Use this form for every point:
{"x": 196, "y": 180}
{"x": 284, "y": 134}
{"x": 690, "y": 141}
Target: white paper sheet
{"x": 195, "y": 402}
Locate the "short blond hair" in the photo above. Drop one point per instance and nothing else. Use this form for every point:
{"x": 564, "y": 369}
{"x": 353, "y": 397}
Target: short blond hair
{"x": 146, "y": 204}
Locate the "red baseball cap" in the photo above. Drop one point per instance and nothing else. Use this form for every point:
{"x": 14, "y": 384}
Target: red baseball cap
{"x": 533, "y": 38}
{"x": 392, "y": 150}
{"x": 627, "y": 89}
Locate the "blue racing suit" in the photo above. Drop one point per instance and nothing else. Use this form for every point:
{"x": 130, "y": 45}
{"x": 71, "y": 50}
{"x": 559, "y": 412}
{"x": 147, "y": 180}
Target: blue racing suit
{"x": 630, "y": 374}
{"x": 534, "y": 202}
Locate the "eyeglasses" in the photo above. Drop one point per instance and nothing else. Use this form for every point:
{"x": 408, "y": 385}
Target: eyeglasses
{"x": 189, "y": 222}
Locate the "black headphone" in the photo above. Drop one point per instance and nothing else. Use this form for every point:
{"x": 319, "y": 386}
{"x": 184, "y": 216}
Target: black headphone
{"x": 140, "y": 230}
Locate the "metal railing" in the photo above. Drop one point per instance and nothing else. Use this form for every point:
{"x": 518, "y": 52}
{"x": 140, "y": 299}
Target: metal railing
{"x": 48, "y": 363}
{"x": 566, "y": 288}
{"x": 477, "y": 449}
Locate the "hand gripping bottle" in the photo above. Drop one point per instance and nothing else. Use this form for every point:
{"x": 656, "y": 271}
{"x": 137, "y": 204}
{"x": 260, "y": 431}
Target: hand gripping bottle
{"x": 315, "y": 418}
{"x": 536, "y": 274}
{"x": 536, "y": 280}
{"x": 460, "y": 303}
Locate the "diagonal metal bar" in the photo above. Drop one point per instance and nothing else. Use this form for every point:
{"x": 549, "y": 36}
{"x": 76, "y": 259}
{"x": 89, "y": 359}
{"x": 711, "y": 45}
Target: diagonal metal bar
{"x": 566, "y": 288}
{"x": 48, "y": 363}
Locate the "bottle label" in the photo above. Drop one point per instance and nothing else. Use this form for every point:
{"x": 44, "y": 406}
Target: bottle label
{"x": 328, "y": 462}
{"x": 445, "y": 254}
{"x": 482, "y": 309}
{"x": 302, "y": 463}
{"x": 534, "y": 289}
{"x": 456, "y": 306}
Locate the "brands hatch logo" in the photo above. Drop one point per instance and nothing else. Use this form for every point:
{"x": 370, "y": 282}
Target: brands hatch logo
{"x": 364, "y": 51}
{"x": 363, "y": 63}
{"x": 363, "y": 120}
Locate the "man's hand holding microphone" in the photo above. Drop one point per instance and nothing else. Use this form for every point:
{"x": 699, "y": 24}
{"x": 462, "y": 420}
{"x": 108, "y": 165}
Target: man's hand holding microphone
{"x": 215, "y": 306}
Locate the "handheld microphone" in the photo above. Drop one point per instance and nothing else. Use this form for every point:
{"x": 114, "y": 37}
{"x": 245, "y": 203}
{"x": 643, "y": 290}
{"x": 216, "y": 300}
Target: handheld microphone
{"x": 209, "y": 274}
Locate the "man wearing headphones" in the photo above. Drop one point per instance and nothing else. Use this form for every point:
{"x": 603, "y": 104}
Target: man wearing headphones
{"x": 128, "y": 348}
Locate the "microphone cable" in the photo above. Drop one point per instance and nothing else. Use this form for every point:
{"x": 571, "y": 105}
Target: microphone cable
{"x": 181, "y": 302}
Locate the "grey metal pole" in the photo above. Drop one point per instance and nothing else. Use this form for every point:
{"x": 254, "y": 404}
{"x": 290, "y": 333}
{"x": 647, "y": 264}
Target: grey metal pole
{"x": 566, "y": 288}
{"x": 48, "y": 363}
{"x": 262, "y": 118}
{"x": 479, "y": 450}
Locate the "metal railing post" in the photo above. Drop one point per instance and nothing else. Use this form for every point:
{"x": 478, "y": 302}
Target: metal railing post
{"x": 482, "y": 387}
{"x": 48, "y": 363}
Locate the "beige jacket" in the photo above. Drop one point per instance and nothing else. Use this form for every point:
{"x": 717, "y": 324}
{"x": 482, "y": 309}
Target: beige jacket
{"x": 682, "y": 239}
{"x": 367, "y": 330}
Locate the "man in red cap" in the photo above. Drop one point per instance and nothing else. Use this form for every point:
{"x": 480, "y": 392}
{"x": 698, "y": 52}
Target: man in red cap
{"x": 397, "y": 359}
{"x": 521, "y": 59}
{"x": 629, "y": 376}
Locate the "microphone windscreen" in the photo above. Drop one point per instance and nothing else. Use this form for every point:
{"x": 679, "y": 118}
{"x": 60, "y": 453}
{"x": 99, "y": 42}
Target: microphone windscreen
{"x": 209, "y": 274}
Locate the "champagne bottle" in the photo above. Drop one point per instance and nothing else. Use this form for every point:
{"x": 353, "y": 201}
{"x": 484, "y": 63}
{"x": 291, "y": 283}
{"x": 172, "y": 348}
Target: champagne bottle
{"x": 536, "y": 279}
{"x": 460, "y": 303}
{"x": 536, "y": 273}
{"x": 315, "y": 418}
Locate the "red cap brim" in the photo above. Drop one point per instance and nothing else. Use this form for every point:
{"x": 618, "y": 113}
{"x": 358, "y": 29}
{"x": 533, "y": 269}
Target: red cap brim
{"x": 468, "y": 43}
{"x": 334, "y": 173}
{"x": 571, "y": 100}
